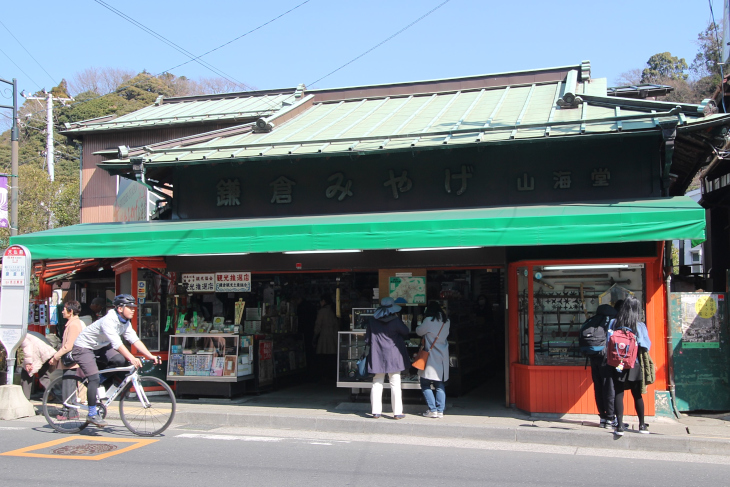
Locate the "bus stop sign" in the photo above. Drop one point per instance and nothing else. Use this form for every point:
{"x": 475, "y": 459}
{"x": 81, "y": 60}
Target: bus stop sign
{"x": 14, "y": 301}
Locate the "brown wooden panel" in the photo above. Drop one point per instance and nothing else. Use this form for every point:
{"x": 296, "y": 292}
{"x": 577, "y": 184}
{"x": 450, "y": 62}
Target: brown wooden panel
{"x": 98, "y": 188}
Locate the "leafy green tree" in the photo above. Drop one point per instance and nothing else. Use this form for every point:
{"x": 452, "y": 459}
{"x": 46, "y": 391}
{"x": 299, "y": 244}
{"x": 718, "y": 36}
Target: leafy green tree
{"x": 664, "y": 66}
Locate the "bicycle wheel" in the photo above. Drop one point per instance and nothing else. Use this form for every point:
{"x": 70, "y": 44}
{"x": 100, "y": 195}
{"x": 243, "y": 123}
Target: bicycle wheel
{"x": 154, "y": 417}
{"x": 62, "y": 418}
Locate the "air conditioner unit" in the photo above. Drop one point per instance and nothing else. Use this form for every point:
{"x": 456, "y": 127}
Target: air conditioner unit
{"x": 697, "y": 269}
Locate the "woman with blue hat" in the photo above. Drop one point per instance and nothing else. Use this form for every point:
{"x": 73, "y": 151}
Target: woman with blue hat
{"x": 386, "y": 336}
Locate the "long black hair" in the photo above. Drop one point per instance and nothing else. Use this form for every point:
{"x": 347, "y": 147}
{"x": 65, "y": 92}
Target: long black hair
{"x": 434, "y": 310}
{"x": 628, "y": 315}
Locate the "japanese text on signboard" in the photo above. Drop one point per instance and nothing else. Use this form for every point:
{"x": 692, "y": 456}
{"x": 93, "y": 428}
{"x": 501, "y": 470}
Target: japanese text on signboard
{"x": 233, "y": 282}
{"x": 199, "y": 283}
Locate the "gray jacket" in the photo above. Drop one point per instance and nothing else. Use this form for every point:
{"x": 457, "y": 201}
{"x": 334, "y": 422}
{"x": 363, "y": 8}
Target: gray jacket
{"x": 437, "y": 367}
{"x": 106, "y": 330}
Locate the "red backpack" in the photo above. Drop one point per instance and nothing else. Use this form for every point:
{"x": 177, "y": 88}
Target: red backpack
{"x": 622, "y": 348}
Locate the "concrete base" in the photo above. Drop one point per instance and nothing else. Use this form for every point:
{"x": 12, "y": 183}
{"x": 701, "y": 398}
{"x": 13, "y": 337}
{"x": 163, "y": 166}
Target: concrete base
{"x": 13, "y": 404}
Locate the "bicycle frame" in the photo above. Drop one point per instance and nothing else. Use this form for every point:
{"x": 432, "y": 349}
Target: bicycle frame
{"x": 132, "y": 376}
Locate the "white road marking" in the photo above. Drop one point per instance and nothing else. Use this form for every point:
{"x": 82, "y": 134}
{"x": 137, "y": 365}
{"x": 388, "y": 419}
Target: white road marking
{"x": 312, "y": 436}
{"x": 11, "y": 428}
{"x": 263, "y": 439}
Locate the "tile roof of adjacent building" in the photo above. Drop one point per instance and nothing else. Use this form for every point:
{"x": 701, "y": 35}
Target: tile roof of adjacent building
{"x": 225, "y": 107}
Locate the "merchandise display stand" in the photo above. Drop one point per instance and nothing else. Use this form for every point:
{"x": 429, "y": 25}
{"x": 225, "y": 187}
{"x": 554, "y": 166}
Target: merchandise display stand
{"x": 211, "y": 364}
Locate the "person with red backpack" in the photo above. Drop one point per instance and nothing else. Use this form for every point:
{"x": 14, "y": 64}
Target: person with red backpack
{"x": 627, "y": 337}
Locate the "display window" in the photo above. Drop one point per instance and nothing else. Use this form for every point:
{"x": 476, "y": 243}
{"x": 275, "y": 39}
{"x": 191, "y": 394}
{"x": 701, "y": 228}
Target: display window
{"x": 553, "y": 301}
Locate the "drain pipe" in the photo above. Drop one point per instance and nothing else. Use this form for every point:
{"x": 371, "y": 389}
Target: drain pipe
{"x": 670, "y": 348}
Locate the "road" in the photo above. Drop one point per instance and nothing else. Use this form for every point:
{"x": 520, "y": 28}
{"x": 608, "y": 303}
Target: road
{"x": 208, "y": 456}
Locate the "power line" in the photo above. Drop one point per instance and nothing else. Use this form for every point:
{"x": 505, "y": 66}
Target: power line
{"x": 168, "y": 70}
{"x": 382, "y": 42}
{"x": 21, "y": 70}
{"x": 241, "y": 36}
{"x": 171, "y": 44}
{"x": 29, "y": 54}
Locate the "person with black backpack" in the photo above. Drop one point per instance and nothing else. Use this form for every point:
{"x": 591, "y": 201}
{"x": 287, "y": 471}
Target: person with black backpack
{"x": 627, "y": 338}
{"x": 592, "y": 342}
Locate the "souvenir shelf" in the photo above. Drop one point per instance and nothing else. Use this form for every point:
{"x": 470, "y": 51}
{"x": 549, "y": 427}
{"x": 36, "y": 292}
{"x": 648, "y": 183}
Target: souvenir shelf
{"x": 565, "y": 297}
{"x": 210, "y": 364}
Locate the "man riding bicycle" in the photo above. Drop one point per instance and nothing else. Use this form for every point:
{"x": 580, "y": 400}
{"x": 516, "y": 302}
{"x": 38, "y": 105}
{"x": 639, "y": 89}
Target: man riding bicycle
{"x": 100, "y": 346}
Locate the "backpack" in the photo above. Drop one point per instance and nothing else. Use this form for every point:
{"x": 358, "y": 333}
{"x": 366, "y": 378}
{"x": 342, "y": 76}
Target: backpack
{"x": 622, "y": 348}
{"x": 592, "y": 335}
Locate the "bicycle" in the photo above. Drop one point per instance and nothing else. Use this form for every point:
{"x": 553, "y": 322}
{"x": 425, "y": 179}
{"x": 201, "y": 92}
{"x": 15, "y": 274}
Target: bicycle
{"x": 143, "y": 411}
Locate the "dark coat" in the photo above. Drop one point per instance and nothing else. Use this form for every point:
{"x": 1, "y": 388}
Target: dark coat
{"x": 387, "y": 345}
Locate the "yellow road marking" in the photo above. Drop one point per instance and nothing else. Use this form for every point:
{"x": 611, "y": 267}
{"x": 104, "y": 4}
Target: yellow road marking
{"x": 26, "y": 452}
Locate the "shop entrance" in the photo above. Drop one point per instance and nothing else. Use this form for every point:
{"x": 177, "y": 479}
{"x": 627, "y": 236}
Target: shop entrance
{"x": 310, "y": 319}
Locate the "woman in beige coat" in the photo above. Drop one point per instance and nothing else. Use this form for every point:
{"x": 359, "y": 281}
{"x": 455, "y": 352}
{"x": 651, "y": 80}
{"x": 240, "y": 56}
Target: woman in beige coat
{"x": 36, "y": 360}
{"x": 74, "y": 326}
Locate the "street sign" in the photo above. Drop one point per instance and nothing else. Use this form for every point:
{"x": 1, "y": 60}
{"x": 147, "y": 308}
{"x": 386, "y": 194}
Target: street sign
{"x": 14, "y": 301}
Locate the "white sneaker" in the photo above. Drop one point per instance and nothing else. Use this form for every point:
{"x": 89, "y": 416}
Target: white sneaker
{"x": 431, "y": 414}
{"x": 440, "y": 414}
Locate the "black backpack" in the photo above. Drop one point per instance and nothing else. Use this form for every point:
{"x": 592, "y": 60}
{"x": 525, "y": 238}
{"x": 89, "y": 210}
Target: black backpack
{"x": 592, "y": 335}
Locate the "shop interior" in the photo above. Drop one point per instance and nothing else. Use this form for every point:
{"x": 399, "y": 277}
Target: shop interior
{"x": 267, "y": 335}
{"x": 232, "y": 343}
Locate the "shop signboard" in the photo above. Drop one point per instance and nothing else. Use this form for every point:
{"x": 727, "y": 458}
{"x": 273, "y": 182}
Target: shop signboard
{"x": 14, "y": 301}
{"x": 233, "y": 282}
{"x": 131, "y": 203}
{"x": 491, "y": 176}
{"x": 199, "y": 283}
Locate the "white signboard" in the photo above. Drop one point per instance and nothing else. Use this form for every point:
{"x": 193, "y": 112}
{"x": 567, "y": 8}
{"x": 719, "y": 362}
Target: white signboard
{"x": 199, "y": 283}
{"x": 233, "y": 282}
{"x": 14, "y": 301}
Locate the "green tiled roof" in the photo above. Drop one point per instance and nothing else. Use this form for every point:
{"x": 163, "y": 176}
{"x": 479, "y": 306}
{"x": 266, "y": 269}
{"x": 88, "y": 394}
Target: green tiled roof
{"x": 439, "y": 120}
{"x": 232, "y": 107}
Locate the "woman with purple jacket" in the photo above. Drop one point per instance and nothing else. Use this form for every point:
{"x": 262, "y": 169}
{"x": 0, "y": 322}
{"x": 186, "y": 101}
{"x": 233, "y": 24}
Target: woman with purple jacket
{"x": 386, "y": 334}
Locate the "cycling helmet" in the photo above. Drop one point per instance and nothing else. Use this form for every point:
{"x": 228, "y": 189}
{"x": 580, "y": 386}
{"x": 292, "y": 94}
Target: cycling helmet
{"x": 125, "y": 300}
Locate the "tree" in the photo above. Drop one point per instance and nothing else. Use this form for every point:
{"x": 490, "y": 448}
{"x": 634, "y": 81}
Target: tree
{"x": 100, "y": 81}
{"x": 708, "y": 57}
{"x": 664, "y": 66}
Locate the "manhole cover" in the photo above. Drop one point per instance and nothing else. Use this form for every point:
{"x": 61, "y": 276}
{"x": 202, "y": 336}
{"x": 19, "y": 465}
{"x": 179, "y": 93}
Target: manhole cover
{"x": 85, "y": 449}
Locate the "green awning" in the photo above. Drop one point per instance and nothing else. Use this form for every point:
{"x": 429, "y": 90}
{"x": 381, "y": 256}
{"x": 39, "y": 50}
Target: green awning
{"x": 561, "y": 224}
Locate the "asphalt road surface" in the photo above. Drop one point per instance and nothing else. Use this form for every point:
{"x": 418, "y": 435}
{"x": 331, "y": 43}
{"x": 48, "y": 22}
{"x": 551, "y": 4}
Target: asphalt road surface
{"x": 206, "y": 456}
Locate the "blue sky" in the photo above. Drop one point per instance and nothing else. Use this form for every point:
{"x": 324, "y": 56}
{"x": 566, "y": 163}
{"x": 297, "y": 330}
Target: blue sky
{"x": 463, "y": 37}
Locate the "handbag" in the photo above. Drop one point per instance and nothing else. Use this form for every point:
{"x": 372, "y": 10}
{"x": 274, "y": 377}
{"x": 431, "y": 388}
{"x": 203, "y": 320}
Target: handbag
{"x": 422, "y": 356}
{"x": 362, "y": 365}
{"x": 68, "y": 360}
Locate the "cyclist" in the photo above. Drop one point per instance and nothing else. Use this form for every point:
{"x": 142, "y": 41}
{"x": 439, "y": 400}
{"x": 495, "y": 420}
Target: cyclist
{"x": 100, "y": 346}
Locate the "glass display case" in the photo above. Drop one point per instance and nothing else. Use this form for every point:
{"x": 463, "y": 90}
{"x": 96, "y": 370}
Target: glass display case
{"x": 351, "y": 346}
{"x": 210, "y": 357}
{"x": 149, "y": 325}
{"x": 564, "y": 297}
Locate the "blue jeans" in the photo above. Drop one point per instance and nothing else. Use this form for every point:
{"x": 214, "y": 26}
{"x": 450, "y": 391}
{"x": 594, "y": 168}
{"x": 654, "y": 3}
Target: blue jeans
{"x": 438, "y": 402}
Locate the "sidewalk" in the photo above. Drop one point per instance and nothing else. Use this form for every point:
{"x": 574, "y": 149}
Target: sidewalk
{"x": 475, "y": 416}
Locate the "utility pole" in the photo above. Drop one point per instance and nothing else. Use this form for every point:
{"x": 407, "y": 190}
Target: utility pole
{"x": 13, "y": 180}
{"x": 49, "y": 127}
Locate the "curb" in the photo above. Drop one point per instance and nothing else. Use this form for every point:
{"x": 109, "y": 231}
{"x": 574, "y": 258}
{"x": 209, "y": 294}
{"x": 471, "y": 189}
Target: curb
{"x": 527, "y": 433}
